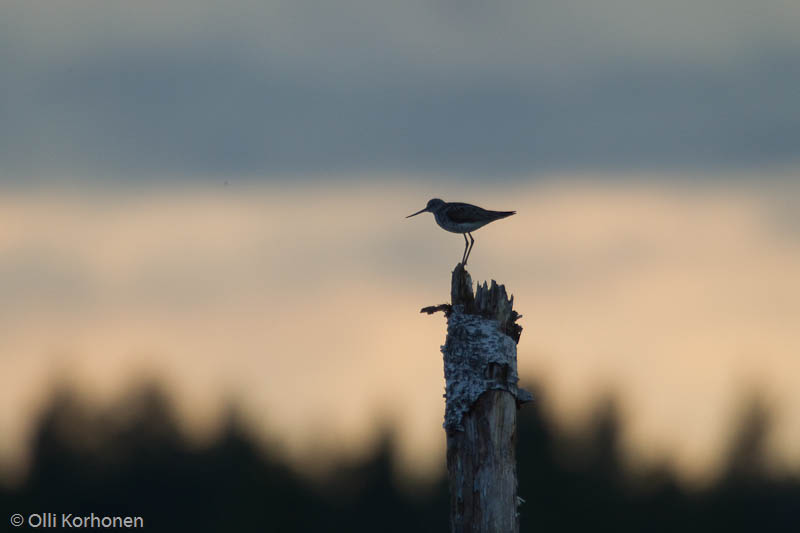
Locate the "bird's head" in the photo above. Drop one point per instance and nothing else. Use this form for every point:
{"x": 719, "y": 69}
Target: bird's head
{"x": 434, "y": 204}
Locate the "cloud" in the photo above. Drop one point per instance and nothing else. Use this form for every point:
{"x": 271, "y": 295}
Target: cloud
{"x": 152, "y": 88}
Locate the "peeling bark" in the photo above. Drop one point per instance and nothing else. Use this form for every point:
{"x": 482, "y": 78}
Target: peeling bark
{"x": 482, "y": 397}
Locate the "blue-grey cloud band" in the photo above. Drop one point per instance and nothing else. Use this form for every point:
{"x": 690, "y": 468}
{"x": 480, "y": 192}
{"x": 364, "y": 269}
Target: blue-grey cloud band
{"x": 142, "y": 92}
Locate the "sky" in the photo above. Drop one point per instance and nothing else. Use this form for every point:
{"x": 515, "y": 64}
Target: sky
{"x": 145, "y": 90}
{"x": 188, "y": 189}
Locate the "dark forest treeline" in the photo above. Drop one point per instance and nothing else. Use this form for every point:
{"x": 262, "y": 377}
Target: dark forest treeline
{"x": 132, "y": 460}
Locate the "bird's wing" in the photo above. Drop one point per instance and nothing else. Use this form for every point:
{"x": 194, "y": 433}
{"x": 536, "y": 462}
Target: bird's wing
{"x": 459, "y": 212}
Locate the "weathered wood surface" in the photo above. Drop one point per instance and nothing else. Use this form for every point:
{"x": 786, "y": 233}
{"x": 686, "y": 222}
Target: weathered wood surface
{"x": 482, "y": 397}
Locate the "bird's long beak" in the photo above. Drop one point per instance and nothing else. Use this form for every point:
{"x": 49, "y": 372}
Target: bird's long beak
{"x": 417, "y": 213}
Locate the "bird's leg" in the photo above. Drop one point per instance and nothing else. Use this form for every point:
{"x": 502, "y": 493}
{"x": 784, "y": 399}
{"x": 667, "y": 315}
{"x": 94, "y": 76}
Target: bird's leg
{"x": 470, "y": 247}
{"x": 464, "y": 256}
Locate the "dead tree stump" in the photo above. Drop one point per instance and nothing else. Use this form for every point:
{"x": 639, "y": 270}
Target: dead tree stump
{"x": 482, "y": 397}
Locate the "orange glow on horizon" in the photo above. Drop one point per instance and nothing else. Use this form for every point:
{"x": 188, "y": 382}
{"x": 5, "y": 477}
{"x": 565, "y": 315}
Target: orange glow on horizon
{"x": 676, "y": 297}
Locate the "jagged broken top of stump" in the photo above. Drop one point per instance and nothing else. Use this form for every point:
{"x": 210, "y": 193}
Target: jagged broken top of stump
{"x": 480, "y": 352}
{"x": 489, "y": 301}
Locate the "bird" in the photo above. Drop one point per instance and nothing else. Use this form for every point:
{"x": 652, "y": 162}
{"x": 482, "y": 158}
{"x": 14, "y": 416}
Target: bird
{"x": 458, "y": 217}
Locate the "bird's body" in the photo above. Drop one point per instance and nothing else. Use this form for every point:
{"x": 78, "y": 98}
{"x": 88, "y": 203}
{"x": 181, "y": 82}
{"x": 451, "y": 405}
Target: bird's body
{"x": 458, "y": 217}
